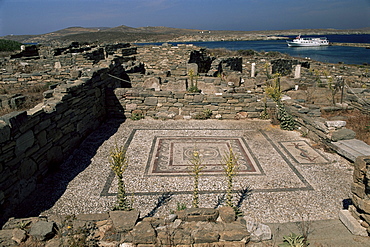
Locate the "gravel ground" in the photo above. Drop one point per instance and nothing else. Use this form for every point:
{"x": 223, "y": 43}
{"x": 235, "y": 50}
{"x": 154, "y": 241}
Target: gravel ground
{"x": 282, "y": 191}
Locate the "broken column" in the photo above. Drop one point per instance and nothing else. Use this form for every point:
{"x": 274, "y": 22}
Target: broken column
{"x": 297, "y": 71}
{"x": 253, "y": 70}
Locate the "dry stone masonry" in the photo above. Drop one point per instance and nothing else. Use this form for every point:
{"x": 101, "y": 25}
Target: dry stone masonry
{"x": 89, "y": 83}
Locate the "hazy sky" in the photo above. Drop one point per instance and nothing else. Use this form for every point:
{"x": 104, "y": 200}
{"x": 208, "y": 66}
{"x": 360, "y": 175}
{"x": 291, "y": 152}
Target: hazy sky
{"x": 43, "y": 16}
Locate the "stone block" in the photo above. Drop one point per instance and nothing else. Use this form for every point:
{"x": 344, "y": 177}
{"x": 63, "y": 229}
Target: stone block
{"x": 130, "y": 107}
{"x": 4, "y": 132}
{"x": 19, "y": 235}
{"x": 358, "y": 189}
{"x": 233, "y": 80}
{"x": 27, "y": 168}
{"x": 234, "y": 235}
{"x": 198, "y": 98}
{"x": 179, "y": 95}
{"x": 203, "y": 236}
{"x": 151, "y": 101}
{"x": 124, "y": 220}
{"x": 143, "y": 233}
{"x": 6, "y": 238}
{"x": 258, "y": 231}
{"x": 42, "y": 230}
{"x": 198, "y": 214}
{"x": 152, "y": 83}
{"x": 15, "y": 119}
{"x": 227, "y": 214}
{"x": 335, "y": 124}
{"x": 363, "y": 204}
{"x": 24, "y": 142}
{"x": 352, "y": 224}
{"x": 214, "y": 99}
{"x": 192, "y": 69}
{"x": 343, "y": 134}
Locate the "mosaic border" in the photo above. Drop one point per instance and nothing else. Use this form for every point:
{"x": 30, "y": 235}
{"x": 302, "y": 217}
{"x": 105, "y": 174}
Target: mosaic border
{"x": 248, "y": 157}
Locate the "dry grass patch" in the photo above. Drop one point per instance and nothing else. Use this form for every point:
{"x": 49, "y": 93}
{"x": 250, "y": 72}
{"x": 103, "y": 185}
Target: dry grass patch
{"x": 356, "y": 120}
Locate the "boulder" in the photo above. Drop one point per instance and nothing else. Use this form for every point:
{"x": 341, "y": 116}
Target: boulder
{"x": 124, "y": 220}
{"x": 42, "y": 230}
{"x": 143, "y": 233}
{"x": 227, "y": 214}
{"x": 233, "y": 80}
{"x": 19, "y": 235}
{"x": 259, "y": 232}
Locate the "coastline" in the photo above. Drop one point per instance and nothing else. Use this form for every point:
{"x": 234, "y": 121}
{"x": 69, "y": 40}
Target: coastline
{"x": 365, "y": 45}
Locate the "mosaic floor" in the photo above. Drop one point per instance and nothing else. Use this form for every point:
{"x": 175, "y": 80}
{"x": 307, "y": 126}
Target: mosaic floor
{"x": 281, "y": 173}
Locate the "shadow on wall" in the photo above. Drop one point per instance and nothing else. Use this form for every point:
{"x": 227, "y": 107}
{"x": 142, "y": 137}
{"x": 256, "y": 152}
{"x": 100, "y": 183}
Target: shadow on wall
{"x": 51, "y": 187}
{"x": 55, "y": 183}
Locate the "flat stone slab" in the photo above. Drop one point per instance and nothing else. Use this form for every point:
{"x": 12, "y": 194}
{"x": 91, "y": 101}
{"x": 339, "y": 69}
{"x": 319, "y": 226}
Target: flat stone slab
{"x": 352, "y": 224}
{"x": 351, "y": 149}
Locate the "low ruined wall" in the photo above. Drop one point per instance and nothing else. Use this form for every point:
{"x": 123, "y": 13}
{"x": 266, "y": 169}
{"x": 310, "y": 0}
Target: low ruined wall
{"x": 36, "y": 141}
{"x": 169, "y": 105}
{"x": 361, "y": 191}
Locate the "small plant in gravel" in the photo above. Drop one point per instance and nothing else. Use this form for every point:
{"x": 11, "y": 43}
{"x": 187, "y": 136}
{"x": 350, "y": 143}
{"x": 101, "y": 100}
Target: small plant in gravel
{"x": 294, "y": 240}
{"x": 180, "y": 206}
{"x": 119, "y": 163}
{"x": 195, "y": 172}
{"x": 230, "y": 165}
{"x": 137, "y": 115}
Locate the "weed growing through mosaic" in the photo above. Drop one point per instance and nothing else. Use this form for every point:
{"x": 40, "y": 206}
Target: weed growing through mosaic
{"x": 293, "y": 240}
{"x": 230, "y": 162}
{"x": 119, "y": 163}
{"x": 195, "y": 172}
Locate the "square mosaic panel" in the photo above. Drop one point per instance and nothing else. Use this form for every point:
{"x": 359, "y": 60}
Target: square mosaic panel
{"x": 172, "y": 155}
{"x": 303, "y": 153}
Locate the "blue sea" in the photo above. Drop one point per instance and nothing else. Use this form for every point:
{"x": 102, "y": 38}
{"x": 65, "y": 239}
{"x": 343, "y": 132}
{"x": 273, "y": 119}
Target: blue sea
{"x": 327, "y": 54}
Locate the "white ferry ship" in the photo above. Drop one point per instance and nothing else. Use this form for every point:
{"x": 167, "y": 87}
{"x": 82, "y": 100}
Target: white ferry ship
{"x": 299, "y": 41}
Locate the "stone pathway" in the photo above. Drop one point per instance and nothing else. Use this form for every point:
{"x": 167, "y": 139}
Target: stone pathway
{"x": 284, "y": 177}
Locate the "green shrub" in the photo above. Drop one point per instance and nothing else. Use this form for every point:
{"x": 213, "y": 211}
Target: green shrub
{"x": 9, "y": 45}
{"x": 205, "y": 114}
{"x": 247, "y": 52}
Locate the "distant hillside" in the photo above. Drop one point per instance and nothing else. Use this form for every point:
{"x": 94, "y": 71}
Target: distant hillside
{"x": 163, "y": 34}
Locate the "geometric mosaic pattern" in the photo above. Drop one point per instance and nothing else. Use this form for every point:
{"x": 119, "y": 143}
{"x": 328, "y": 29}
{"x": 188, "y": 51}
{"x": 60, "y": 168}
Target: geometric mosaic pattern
{"x": 165, "y": 156}
{"x": 172, "y": 155}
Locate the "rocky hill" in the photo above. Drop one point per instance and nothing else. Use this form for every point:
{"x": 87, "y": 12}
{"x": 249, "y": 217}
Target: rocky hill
{"x": 164, "y": 34}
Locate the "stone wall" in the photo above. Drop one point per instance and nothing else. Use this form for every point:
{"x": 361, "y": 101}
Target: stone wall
{"x": 190, "y": 227}
{"x": 36, "y": 141}
{"x": 178, "y": 105}
{"x": 361, "y": 191}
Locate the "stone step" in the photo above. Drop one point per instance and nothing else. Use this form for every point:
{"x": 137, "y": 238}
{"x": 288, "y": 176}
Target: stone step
{"x": 352, "y": 148}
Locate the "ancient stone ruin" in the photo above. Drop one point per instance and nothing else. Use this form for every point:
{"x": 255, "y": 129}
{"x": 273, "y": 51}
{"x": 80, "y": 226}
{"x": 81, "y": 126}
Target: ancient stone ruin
{"x": 88, "y": 84}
